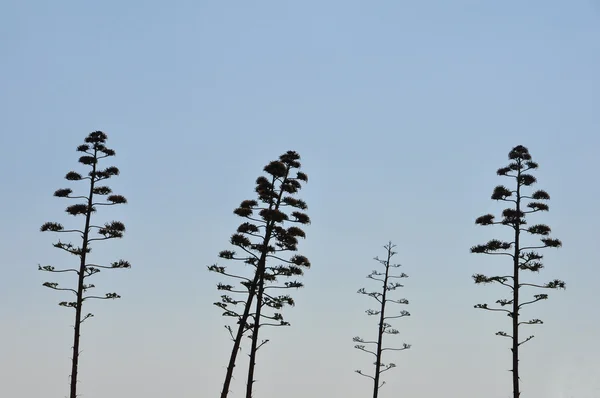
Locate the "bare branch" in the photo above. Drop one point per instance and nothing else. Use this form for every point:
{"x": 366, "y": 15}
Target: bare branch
{"x": 526, "y": 340}
{"x": 532, "y": 322}
{"x": 362, "y": 374}
{"x": 49, "y": 268}
{"x": 537, "y": 297}
{"x": 221, "y": 270}
{"x": 399, "y": 301}
{"x": 86, "y": 317}
{"x": 108, "y": 296}
{"x": 261, "y": 344}
{"x": 113, "y": 265}
{"x": 533, "y": 285}
{"x": 387, "y": 367}
{"x": 53, "y": 285}
{"x": 404, "y": 347}
{"x": 359, "y": 340}
{"x": 402, "y": 314}
{"x": 485, "y": 307}
{"x": 362, "y": 348}
{"x": 103, "y": 238}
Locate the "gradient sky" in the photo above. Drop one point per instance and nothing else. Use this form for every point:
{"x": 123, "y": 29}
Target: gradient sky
{"x": 401, "y": 111}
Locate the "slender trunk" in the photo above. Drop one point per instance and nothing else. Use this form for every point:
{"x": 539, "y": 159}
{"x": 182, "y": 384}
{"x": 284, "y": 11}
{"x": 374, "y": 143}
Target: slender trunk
{"x": 515, "y": 347}
{"x": 381, "y": 326}
{"x": 254, "y": 347}
{"x": 259, "y": 302}
{"x": 260, "y": 270}
{"x": 84, "y": 248}
{"x": 243, "y": 320}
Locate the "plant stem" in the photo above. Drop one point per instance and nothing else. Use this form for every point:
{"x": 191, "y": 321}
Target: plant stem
{"x": 253, "y": 348}
{"x": 515, "y": 347}
{"x": 82, "y": 268}
{"x": 381, "y": 324}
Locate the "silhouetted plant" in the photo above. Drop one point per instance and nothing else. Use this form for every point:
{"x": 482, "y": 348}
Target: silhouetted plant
{"x": 384, "y": 327}
{"x": 524, "y": 258}
{"x": 94, "y": 149}
{"x": 263, "y": 238}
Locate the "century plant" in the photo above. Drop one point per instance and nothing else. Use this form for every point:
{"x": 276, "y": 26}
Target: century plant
{"x": 94, "y": 149}
{"x": 263, "y": 238}
{"x": 523, "y": 257}
{"x": 385, "y": 277}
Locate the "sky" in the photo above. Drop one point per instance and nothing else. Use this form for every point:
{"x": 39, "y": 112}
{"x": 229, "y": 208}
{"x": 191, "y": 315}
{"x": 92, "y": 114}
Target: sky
{"x": 401, "y": 111}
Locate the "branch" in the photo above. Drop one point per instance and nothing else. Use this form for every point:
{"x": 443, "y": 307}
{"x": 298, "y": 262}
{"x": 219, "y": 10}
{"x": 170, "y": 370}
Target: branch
{"x": 257, "y": 220}
{"x": 505, "y": 200}
{"x": 393, "y": 286}
{"x": 247, "y": 251}
{"x": 555, "y": 284}
{"x": 282, "y": 287}
{"x": 532, "y": 322}
{"x": 224, "y": 287}
{"x": 402, "y": 314}
{"x": 221, "y": 270}
{"x": 533, "y": 247}
{"x": 492, "y": 247}
{"x": 506, "y": 284}
{"x": 275, "y": 324}
{"x": 538, "y": 297}
{"x": 480, "y": 278}
{"x": 535, "y": 210}
{"x": 70, "y": 230}
{"x": 526, "y": 340}
{"x": 53, "y": 285}
{"x": 359, "y": 340}
{"x": 548, "y": 242}
{"x": 387, "y": 367}
{"x": 362, "y": 348}
{"x": 362, "y": 374}
{"x": 255, "y": 235}
{"x": 534, "y": 285}
{"x": 261, "y": 344}
{"x": 403, "y": 275}
{"x": 276, "y": 317}
{"x": 69, "y": 248}
{"x": 113, "y": 265}
{"x": 404, "y": 347}
{"x": 230, "y": 332}
{"x": 497, "y": 254}
{"x": 107, "y": 297}
{"x": 104, "y": 238}
{"x": 279, "y": 258}
{"x": 374, "y": 295}
{"x": 86, "y": 317}
{"x": 50, "y": 268}
{"x": 400, "y": 301}
{"x": 485, "y": 307}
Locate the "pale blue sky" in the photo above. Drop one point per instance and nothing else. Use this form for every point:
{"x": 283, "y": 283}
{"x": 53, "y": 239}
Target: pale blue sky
{"x": 401, "y": 111}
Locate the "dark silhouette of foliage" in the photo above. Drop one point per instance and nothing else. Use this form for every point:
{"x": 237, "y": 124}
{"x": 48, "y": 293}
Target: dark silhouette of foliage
{"x": 523, "y": 257}
{"x": 384, "y": 327}
{"x": 262, "y": 239}
{"x": 94, "y": 149}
